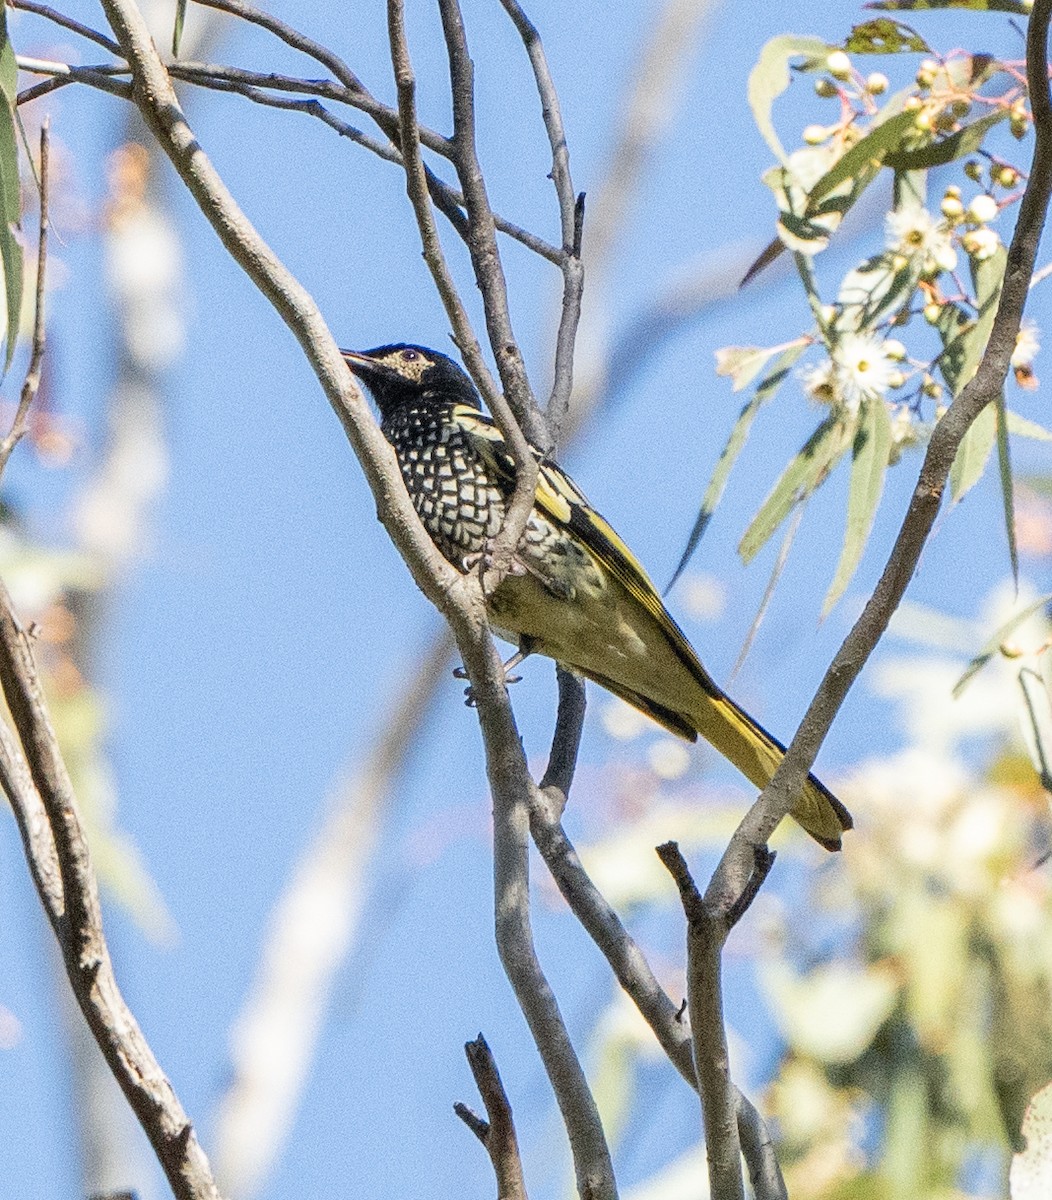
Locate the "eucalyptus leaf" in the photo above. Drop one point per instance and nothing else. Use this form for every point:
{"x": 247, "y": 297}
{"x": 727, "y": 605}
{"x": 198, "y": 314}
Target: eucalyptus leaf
{"x": 768, "y": 386}
{"x": 873, "y": 289}
{"x": 965, "y": 341}
{"x": 177, "y": 28}
{"x": 993, "y": 646}
{"x": 1021, "y": 8}
{"x": 771, "y": 76}
{"x": 883, "y": 35}
{"x": 958, "y": 145}
{"x": 1004, "y": 463}
{"x": 973, "y": 454}
{"x": 806, "y": 471}
{"x": 741, "y": 364}
{"x": 870, "y": 454}
{"x": 1025, "y": 428}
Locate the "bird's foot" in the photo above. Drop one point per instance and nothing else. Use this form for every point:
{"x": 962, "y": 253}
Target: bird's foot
{"x": 524, "y": 651}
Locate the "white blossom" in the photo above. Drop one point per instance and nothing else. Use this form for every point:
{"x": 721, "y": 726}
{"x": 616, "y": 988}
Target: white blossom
{"x": 912, "y": 230}
{"x": 863, "y": 369}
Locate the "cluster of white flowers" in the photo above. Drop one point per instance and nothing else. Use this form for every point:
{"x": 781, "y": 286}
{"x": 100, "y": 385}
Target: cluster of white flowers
{"x": 861, "y": 367}
{"x": 912, "y": 230}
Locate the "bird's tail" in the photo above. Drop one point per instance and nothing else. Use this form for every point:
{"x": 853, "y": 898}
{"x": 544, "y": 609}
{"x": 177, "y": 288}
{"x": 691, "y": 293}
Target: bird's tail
{"x": 757, "y": 755}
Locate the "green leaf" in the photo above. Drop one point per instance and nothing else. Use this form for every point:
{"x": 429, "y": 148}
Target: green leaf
{"x": 994, "y": 644}
{"x": 973, "y": 454}
{"x": 1004, "y": 463}
{"x": 177, "y": 31}
{"x": 958, "y": 145}
{"x": 883, "y": 35}
{"x": 870, "y": 454}
{"x": 10, "y": 190}
{"x": 1025, "y": 428}
{"x": 771, "y": 75}
{"x": 1021, "y": 8}
{"x": 873, "y": 288}
{"x": 865, "y": 156}
{"x": 805, "y": 472}
{"x": 741, "y": 364}
{"x": 770, "y": 384}
{"x": 963, "y": 340}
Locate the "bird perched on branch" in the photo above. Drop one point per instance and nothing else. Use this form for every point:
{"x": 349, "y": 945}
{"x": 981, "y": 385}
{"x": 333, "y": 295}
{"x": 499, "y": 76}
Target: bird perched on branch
{"x": 574, "y": 592}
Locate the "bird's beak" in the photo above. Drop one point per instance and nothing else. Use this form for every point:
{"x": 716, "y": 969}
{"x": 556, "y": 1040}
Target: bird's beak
{"x": 362, "y": 365}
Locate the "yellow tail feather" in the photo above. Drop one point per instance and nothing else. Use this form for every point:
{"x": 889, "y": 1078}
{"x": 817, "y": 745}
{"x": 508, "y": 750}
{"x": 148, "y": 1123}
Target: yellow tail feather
{"x": 756, "y": 754}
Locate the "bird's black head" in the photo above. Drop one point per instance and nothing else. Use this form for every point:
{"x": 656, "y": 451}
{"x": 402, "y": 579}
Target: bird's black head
{"x": 403, "y": 374}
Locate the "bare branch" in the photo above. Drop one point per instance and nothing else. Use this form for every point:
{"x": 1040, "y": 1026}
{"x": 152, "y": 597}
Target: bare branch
{"x": 707, "y": 930}
{"x": 498, "y": 1133}
{"x": 571, "y": 216}
{"x": 736, "y": 865}
{"x": 416, "y": 187}
{"x": 31, "y": 384}
{"x": 57, "y": 18}
{"x": 569, "y": 725}
{"x": 485, "y": 256}
{"x": 45, "y": 788}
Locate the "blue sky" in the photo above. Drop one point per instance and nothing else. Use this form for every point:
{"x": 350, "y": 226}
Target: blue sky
{"x": 250, "y": 650}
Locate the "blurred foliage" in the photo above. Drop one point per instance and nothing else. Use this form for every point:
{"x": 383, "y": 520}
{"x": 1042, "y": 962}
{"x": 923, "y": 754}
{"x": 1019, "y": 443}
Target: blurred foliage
{"x": 912, "y": 984}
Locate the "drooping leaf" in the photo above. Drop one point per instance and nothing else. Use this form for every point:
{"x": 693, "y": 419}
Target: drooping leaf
{"x": 805, "y": 472}
{"x": 1025, "y": 428}
{"x": 973, "y": 454}
{"x": 958, "y": 145}
{"x": 883, "y": 35}
{"x": 10, "y": 190}
{"x": 965, "y": 340}
{"x": 870, "y": 454}
{"x": 791, "y": 530}
{"x": 811, "y": 211}
{"x": 1021, "y": 8}
{"x": 1004, "y": 463}
{"x": 873, "y": 289}
{"x": 741, "y": 364}
{"x": 866, "y": 155}
{"x": 997, "y": 640}
{"x": 771, "y": 75}
{"x": 770, "y": 384}
{"x": 177, "y": 29}
{"x": 909, "y": 189}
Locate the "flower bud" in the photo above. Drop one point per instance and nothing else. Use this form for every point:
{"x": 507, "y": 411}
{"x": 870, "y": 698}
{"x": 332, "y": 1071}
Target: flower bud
{"x": 839, "y": 65}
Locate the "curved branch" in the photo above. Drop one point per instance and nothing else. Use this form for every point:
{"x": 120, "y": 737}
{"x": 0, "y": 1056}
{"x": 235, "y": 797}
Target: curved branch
{"x": 735, "y": 867}
{"x": 39, "y": 789}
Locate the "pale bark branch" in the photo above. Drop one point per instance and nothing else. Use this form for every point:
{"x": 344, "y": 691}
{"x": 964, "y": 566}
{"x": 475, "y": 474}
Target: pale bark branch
{"x": 497, "y": 1133}
{"x": 707, "y": 930}
{"x": 39, "y": 789}
{"x": 735, "y": 868}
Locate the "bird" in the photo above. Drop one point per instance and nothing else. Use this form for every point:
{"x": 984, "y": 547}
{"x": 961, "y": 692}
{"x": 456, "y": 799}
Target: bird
{"x": 574, "y": 592}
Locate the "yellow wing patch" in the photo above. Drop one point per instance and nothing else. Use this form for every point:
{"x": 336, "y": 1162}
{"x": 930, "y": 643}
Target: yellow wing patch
{"x": 564, "y": 504}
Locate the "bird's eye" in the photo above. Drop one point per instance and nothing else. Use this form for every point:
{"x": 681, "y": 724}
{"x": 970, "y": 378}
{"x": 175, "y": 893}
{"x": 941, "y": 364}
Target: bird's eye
{"x": 409, "y": 356}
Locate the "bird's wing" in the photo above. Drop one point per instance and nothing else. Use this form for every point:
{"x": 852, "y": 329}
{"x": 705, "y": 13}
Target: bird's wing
{"x": 565, "y": 505}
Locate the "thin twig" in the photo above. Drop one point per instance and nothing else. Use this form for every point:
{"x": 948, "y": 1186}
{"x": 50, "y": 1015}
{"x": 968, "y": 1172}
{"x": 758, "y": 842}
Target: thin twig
{"x": 736, "y": 865}
{"x": 416, "y": 188}
{"x": 78, "y": 925}
{"x": 571, "y": 216}
{"x": 516, "y": 412}
{"x": 498, "y": 1133}
{"x": 57, "y": 18}
{"x": 31, "y": 383}
{"x": 707, "y": 930}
